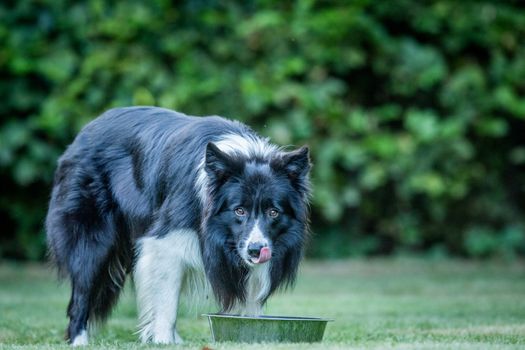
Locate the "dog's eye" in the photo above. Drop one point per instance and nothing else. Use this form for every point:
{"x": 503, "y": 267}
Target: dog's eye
{"x": 273, "y": 213}
{"x": 240, "y": 212}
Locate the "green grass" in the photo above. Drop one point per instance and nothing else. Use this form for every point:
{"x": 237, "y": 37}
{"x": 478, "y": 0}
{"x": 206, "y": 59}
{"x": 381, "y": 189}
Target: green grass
{"x": 376, "y": 304}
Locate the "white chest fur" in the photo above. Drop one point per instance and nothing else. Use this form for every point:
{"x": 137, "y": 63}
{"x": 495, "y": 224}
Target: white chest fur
{"x": 257, "y": 286}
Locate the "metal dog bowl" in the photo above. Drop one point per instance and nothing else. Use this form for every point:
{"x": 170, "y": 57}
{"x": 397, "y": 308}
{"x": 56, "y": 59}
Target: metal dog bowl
{"x": 261, "y": 329}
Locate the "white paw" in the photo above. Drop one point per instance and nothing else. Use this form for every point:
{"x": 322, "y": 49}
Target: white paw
{"x": 81, "y": 339}
{"x": 165, "y": 338}
{"x": 162, "y": 339}
{"x": 162, "y": 332}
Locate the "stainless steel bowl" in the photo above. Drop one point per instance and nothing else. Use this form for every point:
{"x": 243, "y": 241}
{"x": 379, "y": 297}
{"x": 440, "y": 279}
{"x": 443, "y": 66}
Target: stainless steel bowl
{"x": 261, "y": 329}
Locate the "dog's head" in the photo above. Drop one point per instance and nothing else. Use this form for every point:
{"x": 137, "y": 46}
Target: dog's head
{"x": 259, "y": 203}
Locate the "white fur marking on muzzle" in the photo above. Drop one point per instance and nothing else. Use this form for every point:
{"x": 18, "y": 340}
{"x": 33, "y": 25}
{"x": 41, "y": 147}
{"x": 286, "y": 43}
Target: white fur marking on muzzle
{"x": 256, "y": 235}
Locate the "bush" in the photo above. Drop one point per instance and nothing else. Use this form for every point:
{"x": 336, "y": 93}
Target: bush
{"x": 414, "y": 110}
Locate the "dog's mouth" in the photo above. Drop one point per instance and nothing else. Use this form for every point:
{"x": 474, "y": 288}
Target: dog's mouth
{"x": 264, "y": 255}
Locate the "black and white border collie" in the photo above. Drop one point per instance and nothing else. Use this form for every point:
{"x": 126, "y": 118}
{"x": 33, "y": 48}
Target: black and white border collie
{"x": 172, "y": 198}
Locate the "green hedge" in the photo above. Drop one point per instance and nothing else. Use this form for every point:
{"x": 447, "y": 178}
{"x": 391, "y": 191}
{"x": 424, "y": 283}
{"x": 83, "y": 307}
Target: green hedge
{"x": 414, "y": 110}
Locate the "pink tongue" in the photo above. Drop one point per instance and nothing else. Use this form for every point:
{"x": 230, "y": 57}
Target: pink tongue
{"x": 264, "y": 255}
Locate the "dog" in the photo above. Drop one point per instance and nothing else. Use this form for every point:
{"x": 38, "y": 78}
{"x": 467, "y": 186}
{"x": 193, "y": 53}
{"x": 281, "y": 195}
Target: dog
{"x": 173, "y": 200}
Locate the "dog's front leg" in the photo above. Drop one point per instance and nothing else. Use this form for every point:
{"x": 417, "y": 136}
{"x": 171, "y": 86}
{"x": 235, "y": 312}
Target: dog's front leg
{"x": 166, "y": 305}
{"x": 158, "y": 281}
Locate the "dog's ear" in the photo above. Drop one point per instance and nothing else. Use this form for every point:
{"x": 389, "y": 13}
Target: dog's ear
{"x": 219, "y": 165}
{"x": 296, "y": 164}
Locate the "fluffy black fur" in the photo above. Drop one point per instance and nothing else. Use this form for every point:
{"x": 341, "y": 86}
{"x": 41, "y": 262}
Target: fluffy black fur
{"x": 134, "y": 172}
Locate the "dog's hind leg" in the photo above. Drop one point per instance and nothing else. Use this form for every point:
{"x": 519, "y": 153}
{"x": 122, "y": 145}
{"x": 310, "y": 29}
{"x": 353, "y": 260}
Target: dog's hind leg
{"x": 78, "y": 311}
{"x": 84, "y": 269}
{"x": 96, "y": 264}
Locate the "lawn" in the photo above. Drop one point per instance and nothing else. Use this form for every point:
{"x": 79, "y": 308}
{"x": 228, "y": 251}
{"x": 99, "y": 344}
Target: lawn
{"x": 380, "y": 303}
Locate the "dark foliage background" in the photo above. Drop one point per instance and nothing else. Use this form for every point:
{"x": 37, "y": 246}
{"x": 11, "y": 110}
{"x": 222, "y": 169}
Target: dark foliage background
{"x": 414, "y": 110}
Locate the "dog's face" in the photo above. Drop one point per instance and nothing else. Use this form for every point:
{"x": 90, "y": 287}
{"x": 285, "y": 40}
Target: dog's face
{"x": 259, "y": 203}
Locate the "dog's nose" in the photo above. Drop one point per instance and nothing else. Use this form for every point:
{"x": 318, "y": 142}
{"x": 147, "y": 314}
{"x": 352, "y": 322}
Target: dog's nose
{"x": 254, "y": 249}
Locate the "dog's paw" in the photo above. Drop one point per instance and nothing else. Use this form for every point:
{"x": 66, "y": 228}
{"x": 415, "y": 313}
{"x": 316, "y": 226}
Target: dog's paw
{"x": 162, "y": 339}
{"x": 81, "y": 339}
